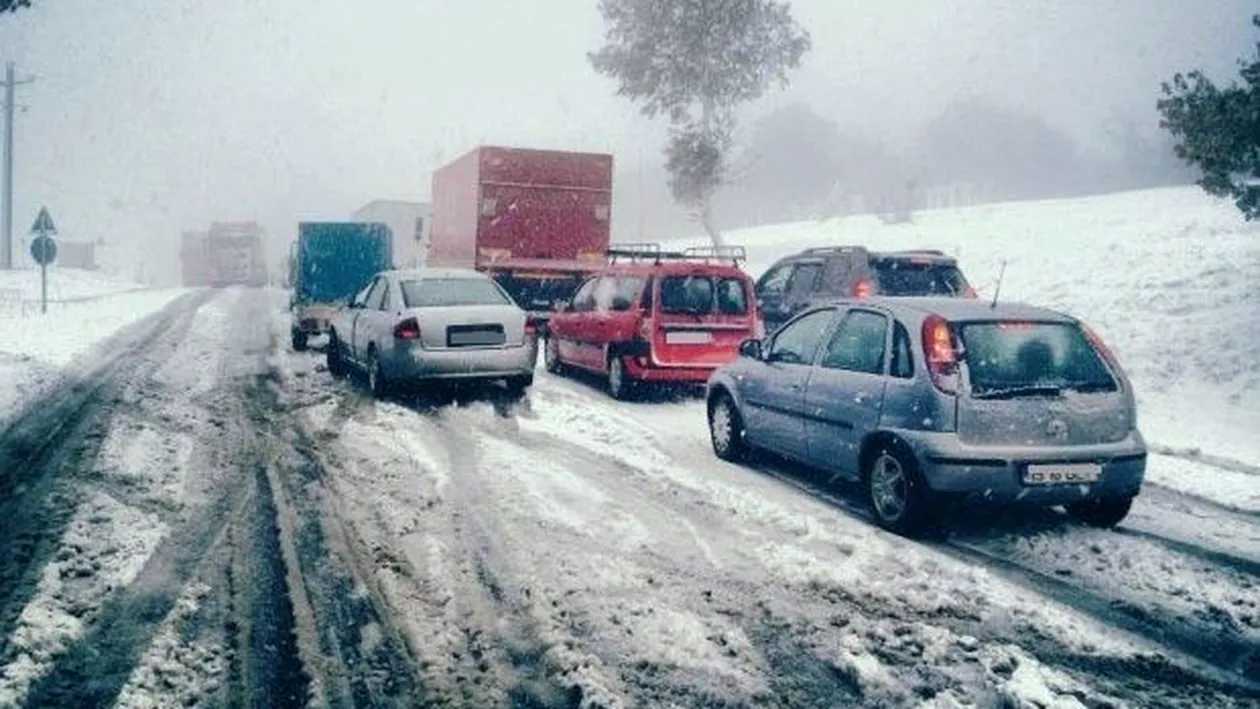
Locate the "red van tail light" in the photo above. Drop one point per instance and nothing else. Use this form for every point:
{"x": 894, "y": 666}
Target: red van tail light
{"x": 408, "y": 329}
{"x": 940, "y": 353}
{"x": 863, "y": 288}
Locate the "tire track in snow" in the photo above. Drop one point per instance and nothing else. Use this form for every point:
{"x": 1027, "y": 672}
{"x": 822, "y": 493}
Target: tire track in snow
{"x": 60, "y": 435}
{"x": 1226, "y": 663}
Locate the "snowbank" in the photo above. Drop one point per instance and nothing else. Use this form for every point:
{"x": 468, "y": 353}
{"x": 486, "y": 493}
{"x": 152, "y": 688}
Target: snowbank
{"x": 35, "y": 348}
{"x": 1168, "y": 277}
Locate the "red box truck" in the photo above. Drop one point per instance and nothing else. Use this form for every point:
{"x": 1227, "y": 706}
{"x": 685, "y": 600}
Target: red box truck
{"x": 535, "y": 220}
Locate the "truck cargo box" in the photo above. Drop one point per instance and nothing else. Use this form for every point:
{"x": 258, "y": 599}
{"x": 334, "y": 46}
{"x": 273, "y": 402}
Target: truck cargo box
{"x": 537, "y": 220}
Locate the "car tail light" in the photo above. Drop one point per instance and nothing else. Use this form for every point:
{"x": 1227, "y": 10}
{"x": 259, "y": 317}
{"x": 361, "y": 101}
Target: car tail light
{"x": 531, "y": 325}
{"x": 408, "y": 329}
{"x": 863, "y": 288}
{"x": 940, "y": 353}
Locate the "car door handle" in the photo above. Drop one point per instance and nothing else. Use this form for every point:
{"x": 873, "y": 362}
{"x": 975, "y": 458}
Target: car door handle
{"x": 794, "y": 387}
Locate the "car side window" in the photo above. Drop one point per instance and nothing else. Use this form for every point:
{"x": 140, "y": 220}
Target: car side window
{"x": 387, "y": 298}
{"x": 626, "y": 293}
{"x": 775, "y": 281}
{"x": 902, "y": 358}
{"x": 648, "y": 289}
{"x": 584, "y": 298}
{"x": 360, "y": 298}
{"x": 798, "y": 341}
{"x": 857, "y": 345}
{"x": 804, "y": 278}
{"x": 377, "y": 295}
{"x": 605, "y": 293}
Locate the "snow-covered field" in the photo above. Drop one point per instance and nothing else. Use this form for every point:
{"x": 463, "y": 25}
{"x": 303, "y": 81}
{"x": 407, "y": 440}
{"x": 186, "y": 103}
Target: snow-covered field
{"x": 85, "y": 308}
{"x": 1169, "y": 277}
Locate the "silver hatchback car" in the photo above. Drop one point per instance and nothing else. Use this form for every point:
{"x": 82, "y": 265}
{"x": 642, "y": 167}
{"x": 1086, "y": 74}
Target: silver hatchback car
{"x": 433, "y": 324}
{"x": 919, "y": 398}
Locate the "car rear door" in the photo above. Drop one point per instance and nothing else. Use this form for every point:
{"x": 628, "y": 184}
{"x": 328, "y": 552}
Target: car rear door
{"x": 574, "y": 328}
{"x": 1043, "y": 387}
{"x": 844, "y": 397}
{"x": 701, "y": 318}
{"x": 773, "y": 392}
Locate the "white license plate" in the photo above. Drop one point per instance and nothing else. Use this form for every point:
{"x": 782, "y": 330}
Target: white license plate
{"x": 1062, "y": 474}
{"x": 686, "y": 337}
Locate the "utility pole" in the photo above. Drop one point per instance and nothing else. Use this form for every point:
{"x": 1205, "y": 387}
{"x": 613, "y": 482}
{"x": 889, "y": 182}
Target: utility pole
{"x": 6, "y": 242}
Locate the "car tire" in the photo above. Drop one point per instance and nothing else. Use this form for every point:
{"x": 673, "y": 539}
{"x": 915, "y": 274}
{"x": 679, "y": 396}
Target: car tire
{"x": 377, "y": 382}
{"x": 619, "y": 386}
{"x": 551, "y": 356}
{"x": 299, "y": 341}
{"x": 1104, "y": 512}
{"x": 518, "y": 384}
{"x": 336, "y": 365}
{"x": 897, "y": 494}
{"x": 726, "y": 429}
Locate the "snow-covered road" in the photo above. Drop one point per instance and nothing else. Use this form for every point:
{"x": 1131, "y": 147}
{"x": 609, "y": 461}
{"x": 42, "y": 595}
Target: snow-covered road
{"x": 208, "y": 519}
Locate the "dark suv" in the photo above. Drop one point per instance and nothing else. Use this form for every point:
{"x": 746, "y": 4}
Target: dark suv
{"x": 822, "y": 274}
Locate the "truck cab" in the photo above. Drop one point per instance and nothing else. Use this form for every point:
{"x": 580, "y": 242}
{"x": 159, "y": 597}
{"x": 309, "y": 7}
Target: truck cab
{"x": 329, "y": 263}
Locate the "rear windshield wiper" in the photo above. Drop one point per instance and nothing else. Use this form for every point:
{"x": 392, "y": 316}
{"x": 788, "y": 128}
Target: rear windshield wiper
{"x": 1017, "y": 391}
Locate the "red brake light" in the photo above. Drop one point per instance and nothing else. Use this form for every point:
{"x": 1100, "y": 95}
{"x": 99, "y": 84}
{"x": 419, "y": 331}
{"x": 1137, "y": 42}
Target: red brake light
{"x": 863, "y": 288}
{"x": 939, "y": 351}
{"x": 531, "y": 325}
{"x": 408, "y": 329}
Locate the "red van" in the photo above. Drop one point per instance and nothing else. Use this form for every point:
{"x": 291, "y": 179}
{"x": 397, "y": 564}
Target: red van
{"x": 656, "y": 316}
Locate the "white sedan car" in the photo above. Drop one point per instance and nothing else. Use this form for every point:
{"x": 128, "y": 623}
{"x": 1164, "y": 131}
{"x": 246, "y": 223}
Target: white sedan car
{"x": 414, "y": 326}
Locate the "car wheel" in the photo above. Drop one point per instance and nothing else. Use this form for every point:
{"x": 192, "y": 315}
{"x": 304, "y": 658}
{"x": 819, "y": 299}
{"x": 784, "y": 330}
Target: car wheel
{"x": 518, "y": 384}
{"x": 898, "y": 496}
{"x": 551, "y": 356}
{"x": 726, "y": 429}
{"x": 336, "y": 365}
{"x": 1105, "y": 512}
{"x": 619, "y": 386}
{"x": 299, "y": 341}
{"x": 377, "y": 383}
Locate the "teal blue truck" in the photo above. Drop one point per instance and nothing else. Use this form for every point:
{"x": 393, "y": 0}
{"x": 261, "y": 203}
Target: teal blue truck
{"x": 328, "y": 263}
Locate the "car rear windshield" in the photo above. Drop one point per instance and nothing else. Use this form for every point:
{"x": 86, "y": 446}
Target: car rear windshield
{"x": 904, "y": 277}
{"x": 1009, "y": 359}
{"x": 704, "y": 295}
{"x": 439, "y": 292}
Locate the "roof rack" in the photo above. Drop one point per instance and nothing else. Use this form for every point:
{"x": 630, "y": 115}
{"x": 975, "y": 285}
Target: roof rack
{"x": 653, "y": 252}
{"x": 832, "y": 249}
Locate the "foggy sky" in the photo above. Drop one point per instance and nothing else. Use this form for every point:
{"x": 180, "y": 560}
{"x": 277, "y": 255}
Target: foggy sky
{"x": 149, "y": 117}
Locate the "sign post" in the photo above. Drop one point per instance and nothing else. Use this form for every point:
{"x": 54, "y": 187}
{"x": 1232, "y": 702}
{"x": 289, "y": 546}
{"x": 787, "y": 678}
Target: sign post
{"x": 44, "y": 251}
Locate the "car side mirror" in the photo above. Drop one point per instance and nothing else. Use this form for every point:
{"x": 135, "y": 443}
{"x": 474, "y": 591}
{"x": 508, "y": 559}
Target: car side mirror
{"x": 750, "y": 349}
{"x": 621, "y": 304}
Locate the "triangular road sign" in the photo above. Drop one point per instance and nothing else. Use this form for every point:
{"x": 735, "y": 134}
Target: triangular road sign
{"x": 43, "y": 223}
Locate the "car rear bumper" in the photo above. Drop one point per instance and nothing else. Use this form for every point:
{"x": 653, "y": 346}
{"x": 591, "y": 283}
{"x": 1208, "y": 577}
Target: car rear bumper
{"x": 416, "y": 364}
{"x": 996, "y": 473}
{"x": 649, "y": 373}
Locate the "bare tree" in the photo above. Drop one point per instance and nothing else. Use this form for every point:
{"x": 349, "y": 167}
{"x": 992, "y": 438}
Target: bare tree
{"x": 695, "y": 62}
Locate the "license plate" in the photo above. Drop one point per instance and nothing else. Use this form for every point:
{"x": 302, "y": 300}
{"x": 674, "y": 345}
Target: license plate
{"x": 1062, "y": 474}
{"x": 688, "y": 338}
{"x": 474, "y": 338}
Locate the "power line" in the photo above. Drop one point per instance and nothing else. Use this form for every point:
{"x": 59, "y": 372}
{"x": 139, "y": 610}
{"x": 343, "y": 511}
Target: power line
{"x": 11, "y": 83}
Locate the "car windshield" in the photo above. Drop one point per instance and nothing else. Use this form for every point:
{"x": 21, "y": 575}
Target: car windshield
{"x": 703, "y": 295}
{"x": 445, "y": 292}
{"x": 1007, "y": 359}
{"x": 904, "y": 277}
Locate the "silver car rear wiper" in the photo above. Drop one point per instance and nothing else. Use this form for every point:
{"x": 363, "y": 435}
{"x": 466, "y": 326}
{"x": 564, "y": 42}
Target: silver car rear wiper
{"x": 1017, "y": 391}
